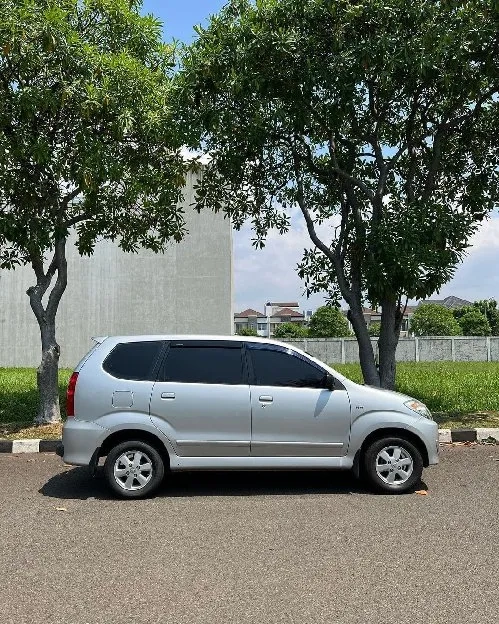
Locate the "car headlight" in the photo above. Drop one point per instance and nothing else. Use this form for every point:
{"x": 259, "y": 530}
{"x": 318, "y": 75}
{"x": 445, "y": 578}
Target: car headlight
{"x": 419, "y": 408}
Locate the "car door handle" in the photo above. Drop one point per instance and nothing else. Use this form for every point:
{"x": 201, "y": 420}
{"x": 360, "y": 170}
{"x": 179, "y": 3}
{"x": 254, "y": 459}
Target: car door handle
{"x": 168, "y": 395}
{"x": 265, "y": 398}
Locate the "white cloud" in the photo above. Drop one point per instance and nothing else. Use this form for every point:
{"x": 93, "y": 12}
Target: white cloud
{"x": 261, "y": 275}
{"x": 270, "y": 274}
{"x": 478, "y": 275}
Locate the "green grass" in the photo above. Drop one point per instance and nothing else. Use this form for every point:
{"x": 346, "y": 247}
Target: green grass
{"x": 460, "y": 394}
{"x": 19, "y": 396}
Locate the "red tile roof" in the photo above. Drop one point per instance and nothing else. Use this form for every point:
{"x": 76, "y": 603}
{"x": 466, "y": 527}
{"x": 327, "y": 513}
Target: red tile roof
{"x": 248, "y": 312}
{"x": 287, "y": 312}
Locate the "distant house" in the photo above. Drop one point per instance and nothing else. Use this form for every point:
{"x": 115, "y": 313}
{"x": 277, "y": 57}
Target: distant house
{"x": 250, "y": 319}
{"x": 454, "y": 303}
{"x": 374, "y": 316}
{"x": 275, "y": 314}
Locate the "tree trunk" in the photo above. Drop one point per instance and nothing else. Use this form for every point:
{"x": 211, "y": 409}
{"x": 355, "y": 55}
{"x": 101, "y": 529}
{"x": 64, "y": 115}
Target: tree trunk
{"x": 47, "y": 372}
{"x": 366, "y": 352}
{"x": 47, "y": 376}
{"x": 391, "y": 318}
{"x": 353, "y": 293}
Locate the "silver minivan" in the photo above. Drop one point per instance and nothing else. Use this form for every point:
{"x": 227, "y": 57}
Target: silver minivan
{"x": 151, "y": 404}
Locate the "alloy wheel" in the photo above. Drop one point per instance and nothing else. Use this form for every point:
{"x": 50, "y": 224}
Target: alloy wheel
{"x": 133, "y": 470}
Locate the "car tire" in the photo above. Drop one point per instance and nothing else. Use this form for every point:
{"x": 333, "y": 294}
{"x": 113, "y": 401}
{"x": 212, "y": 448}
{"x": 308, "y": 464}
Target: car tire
{"x": 393, "y": 465}
{"x": 134, "y": 469}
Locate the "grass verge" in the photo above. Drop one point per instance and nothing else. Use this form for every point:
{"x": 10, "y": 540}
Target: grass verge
{"x": 19, "y": 404}
{"x": 23, "y": 431}
{"x": 460, "y": 395}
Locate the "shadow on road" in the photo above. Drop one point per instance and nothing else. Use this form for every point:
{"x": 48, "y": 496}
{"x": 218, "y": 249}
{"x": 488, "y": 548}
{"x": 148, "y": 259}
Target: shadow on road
{"x": 79, "y": 484}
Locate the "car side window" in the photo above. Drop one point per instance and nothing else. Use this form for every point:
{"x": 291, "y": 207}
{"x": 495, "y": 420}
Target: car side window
{"x": 273, "y": 367}
{"x": 133, "y": 360}
{"x": 204, "y": 364}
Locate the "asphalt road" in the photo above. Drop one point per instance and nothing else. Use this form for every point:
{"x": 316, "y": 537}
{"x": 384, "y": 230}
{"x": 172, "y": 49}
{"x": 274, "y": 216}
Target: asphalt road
{"x": 253, "y": 547}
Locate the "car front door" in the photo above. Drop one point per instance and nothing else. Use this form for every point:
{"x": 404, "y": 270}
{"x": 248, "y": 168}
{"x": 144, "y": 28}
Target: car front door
{"x": 201, "y": 400}
{"x": 293, "y": 412}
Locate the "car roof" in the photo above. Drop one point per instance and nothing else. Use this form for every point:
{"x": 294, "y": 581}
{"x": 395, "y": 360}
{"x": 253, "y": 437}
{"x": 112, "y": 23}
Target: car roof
{"x": 150, "y": 337}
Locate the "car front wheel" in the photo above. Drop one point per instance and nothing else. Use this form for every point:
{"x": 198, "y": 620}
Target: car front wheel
{"x": 134, "y": 469}
{"x": 393, "y": 465}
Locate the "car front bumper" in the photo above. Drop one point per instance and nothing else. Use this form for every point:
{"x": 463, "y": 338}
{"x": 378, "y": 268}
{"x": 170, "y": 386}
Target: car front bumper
{"x": 429, "y": 428}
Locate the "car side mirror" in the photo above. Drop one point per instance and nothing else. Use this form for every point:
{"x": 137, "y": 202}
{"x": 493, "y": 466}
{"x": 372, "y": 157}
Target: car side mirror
{"x": 329, "y": 382}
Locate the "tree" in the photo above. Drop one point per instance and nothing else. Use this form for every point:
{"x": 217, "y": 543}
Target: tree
{"x": 375, "y": 329}
{"x": 431, "y": 319}
{"x": 378, "y": 117}
{"x": 290, "y": 330}
{"x": 472, "y": 321}
{"x": 328, "y": 322}
{"x": 87, "y": 143}
{"x": 247, "y": 331}
{"x": 489, "y": 308}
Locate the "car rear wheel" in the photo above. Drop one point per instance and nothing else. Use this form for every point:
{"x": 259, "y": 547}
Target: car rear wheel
{"x": 134, "y": 469}
{"x": 393, "y": 465}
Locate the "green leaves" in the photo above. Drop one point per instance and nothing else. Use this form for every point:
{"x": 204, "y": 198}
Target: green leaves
{"x": 328, "y": 322}
{"x": 377, "y": 117}
{"x": 472, "y": 321}
{"x": 378, "y": 113}
{"x": 290, "y": 330}
{"x": 88, "y": 137}
{"x": 431, "y": 319}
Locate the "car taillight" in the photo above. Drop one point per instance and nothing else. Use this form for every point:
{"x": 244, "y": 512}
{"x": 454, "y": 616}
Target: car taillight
{"x": 70, "y": 395}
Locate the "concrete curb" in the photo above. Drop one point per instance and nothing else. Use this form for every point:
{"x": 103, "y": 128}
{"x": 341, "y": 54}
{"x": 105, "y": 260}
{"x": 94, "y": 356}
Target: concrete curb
{"x": 28, "y": 446}
{"x": 480, "y": 434}
{"x": 445, "y": 436}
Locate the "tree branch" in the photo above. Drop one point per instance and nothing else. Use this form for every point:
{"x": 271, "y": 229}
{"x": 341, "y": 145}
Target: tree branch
{"x": 441, "y": 134}
{"x": 62, "y": 279}
{"x": 344, "y": 289}
{"x": 346, "y": 176}
{"x": 43, "y": 281}
{"x": 77, "y": 219}
{"x": 5, "y": 82}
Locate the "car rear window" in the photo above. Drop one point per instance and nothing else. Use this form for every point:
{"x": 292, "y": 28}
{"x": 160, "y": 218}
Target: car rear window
{"x": 133, "y": 360}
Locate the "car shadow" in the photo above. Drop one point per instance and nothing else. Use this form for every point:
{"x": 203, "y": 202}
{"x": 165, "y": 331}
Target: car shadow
{"x": 78, "y": 483}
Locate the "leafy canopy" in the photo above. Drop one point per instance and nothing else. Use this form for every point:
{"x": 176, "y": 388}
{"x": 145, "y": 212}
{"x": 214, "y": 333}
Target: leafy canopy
{"x": 290, "y": 330}
{"x": 87, "y": 137}
{"x": 431, "y": 319}
{"x": 328, "y": 322}
{"x": 247, "y": 331}
{"x": 377, "y": 116}
{"x": 472, "y": 321}
{"x": 489, "y": 308}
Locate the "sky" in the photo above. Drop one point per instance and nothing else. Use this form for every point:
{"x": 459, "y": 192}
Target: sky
{"x": 269, "y": 274}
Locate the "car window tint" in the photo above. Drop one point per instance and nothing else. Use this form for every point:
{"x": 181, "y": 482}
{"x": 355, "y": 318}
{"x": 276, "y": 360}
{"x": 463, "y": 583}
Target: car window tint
{"x": 278, "y": 368}
{"x": 209, "y": 365}
{"x": 133, "y": 360}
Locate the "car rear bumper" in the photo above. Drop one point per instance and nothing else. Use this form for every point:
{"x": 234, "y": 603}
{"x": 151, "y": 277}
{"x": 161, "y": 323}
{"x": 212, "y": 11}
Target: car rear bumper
{"x": 80, "y": 440}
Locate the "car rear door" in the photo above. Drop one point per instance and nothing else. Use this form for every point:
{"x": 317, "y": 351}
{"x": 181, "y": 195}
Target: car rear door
{"x": 201, "y": 400}
{"x": 293, "y": 413}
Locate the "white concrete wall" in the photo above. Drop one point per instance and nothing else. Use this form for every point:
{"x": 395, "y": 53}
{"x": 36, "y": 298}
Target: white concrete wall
{"x": 188, "y": 289}
{"x": 427, "y": 349}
